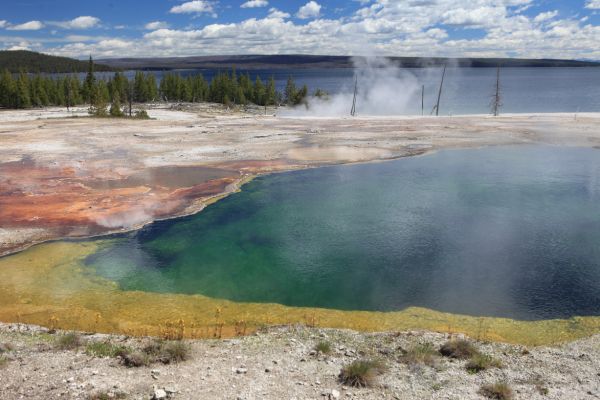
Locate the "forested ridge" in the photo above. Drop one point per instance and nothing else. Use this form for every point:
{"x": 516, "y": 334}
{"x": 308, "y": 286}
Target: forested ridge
{"x": 29, "y": 61}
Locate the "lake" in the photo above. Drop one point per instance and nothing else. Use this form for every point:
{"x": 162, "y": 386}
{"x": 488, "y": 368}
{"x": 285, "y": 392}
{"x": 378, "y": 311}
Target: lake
{"x": 505, "y": 231}
{"x": 466, "y": 90}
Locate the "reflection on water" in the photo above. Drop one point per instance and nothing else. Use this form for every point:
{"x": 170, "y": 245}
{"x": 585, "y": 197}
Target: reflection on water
{"x": 510, "y": 232}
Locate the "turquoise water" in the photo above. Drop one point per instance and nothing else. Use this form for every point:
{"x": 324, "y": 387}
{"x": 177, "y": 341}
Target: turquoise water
{"x": 505, "y": 231}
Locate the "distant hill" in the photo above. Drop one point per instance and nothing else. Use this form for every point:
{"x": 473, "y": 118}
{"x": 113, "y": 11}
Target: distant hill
{"x": 30, "y": 61}
{"x": 316, "y": 61}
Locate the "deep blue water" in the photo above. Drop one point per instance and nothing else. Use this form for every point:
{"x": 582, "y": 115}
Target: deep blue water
{"x": 504, "y": 231}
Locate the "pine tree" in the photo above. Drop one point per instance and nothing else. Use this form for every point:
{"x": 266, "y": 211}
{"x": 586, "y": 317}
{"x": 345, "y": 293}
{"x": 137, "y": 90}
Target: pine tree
{"x": 271, "y": 92}
{"x": 259, "y": 92}
{"x": 115, "y": 107}
{"x": 152, "y": 91}
{"x": 22, "y": 98}
{"x": 301, "y": 95}
{"x": 99, "y": 100}
{"x": 8, "y": 90}
{"x": 290, "y": 93}
{"x": 90, "y": 82}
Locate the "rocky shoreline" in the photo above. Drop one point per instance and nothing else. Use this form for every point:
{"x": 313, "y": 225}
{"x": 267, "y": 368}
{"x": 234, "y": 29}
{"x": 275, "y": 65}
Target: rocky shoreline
{"x": 287, "y": 362}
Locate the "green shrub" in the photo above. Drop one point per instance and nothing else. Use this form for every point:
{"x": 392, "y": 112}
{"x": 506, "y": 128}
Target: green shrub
{"x": 68, "y": 341}
{"x": 174, "y": 352}
{"x": 361, "y": 373}
{"x": 141, "y": 114}
{"x": 460, "y": 349}
{"x": 497, "y": 391}
{"x": 136, "y": 359}
{"x": 323, "y": 347}
{"x": 106, "y": 349}
{"x": 6, "y": 347}
{"x": 168, "y": 351}
{"x": 481, "y": 362}
{"x": 420, "y": 354}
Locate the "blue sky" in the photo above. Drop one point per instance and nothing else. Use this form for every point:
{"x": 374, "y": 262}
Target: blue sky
{"x": 526, "y": 28}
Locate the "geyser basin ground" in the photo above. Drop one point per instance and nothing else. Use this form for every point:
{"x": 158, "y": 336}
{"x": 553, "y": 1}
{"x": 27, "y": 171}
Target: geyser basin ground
{"x": 504, "y": 231}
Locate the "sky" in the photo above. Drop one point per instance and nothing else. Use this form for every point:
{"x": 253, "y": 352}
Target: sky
{"x": 566, "y": 29}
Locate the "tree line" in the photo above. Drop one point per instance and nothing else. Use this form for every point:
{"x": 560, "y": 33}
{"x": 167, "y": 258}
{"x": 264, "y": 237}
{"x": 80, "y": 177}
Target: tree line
{"x": 111, "y": 96}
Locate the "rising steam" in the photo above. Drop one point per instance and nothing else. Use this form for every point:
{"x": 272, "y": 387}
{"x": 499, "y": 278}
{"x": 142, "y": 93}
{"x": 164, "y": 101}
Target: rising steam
{"x": 383, "y": 89}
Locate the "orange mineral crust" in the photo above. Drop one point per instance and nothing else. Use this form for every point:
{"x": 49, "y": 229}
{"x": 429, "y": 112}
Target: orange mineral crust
{"x": 59, "y": 203}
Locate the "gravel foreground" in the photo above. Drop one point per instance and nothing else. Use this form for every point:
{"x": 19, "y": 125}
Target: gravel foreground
{"x": 283, "y": 363}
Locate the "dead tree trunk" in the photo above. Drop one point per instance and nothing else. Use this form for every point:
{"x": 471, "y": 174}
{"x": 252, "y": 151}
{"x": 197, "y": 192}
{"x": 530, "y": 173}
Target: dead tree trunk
{"x": 497, "y": 100}
{"x": 130, "y": 97}
{"x": 437, "y": 105}
{"x": 423, "y": 100}
{"x": 353, "y": 110}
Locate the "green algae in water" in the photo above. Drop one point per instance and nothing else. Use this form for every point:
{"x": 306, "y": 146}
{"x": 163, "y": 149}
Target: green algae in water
{"x": 506, "y": 231}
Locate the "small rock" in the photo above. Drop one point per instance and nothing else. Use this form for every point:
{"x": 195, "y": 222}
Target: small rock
{"x": 71, "y": 380}
{"x": 159, "y": 394}
{"x": 334, "y": 394}
{"x": 241, "y": 370}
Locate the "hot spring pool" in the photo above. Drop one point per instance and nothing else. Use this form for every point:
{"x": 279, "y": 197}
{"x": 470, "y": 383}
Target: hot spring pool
{"x": 508, "y": 231}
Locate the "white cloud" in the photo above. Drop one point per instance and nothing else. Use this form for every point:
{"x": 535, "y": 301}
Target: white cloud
{"x": 255, "y": 3}
{"x": 3, "y": 23}
{"x": 27, "y": 26}
{"x": 83, "y": 22}
{"x": 474, "y": 17}
{"x": 593, "y": 4}
{"x": 275, "y": 13}
{"x": 545, "y": 16}
{"x": 156, "y": 25}
{"x": 17, "y": 47}
{"x": 312, "y": 9}
{"x": 380, "y": 27}
{"x": 193, "y": 7}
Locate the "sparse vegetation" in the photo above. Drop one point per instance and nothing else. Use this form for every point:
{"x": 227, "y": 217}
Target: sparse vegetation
{"x": 168, "y": 352}
{"x": 174, "y": 352}
{"x": 141, "y": 114}
{"x": 68, "y": 341}
{"x": 420, "y": 354}
{"x": 106, "y": 396}
{"x": 543, "y": 390}
{"x": 106, "y": 349}
{"x": 460, "y": 349}
{"x": 362, "y": 373}
{"x": 480, "y": 362}
{"x": 323, "y": 347}
{"x": 497, "y": 391}
{"x": 6, "y": 347}
{"x": 3, "y": 361}
{"x": 136, "y": 359}
{"x": 540, "y": 385}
